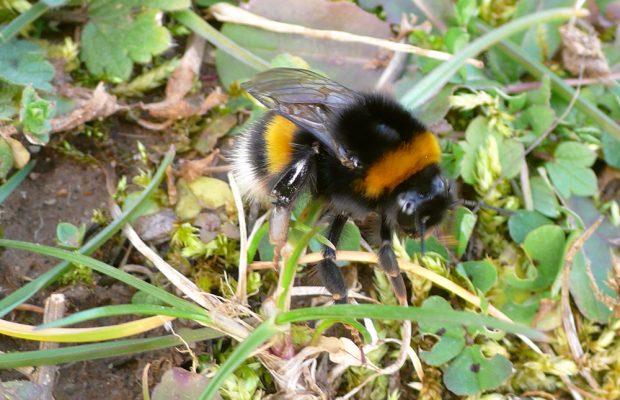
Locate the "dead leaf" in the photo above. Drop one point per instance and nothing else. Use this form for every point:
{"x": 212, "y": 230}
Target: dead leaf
{"x": 185, "y": 108}
{"x": 582, "y": 49}
{"x": 191, "y": 170}
{"x": 182, "y": 79}
{"x": 89, "y": 105}
{"x": 21, "y": 156}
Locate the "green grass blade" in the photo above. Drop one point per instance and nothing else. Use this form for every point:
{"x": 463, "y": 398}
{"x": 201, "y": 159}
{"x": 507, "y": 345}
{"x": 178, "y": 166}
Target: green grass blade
{"x": 288, "y": 274}
{"x": 27, "y": 17}
{"x": 398, "y": 313}
{"x": 103, "y": 350}
{"x": 199, "y": 26}
{"x": 14, "y": 181}
{"x": 263, "y": 333}
{"x": 25, "y": 292}
{"x": 105, "y": 269}
{"x": 433, "y": 82}
{"x": 539, "y": 70}
{"x": 127, "y": 309}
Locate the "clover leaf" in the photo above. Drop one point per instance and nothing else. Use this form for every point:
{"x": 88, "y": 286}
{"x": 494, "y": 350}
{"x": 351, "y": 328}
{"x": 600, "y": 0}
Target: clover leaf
{"x": 570, "y": 172}
{"x": 451, "y": 337}
{"x": 471, "y": 372}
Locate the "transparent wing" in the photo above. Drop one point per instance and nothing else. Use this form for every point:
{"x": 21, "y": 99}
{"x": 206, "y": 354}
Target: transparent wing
{"x": 308, "y": 99}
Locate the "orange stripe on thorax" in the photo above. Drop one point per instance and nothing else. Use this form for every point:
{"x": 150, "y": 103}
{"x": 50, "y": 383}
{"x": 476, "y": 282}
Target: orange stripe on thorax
{"x": 400, "y": 164}
{"x": 279, "y": 134}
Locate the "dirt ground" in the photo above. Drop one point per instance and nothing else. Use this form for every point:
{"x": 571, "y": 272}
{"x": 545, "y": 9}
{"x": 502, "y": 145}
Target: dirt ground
{"x": 63, "y": 189}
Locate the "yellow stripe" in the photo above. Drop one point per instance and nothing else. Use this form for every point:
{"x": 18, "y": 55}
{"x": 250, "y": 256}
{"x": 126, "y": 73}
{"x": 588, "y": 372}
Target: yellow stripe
{"x": 278, "y": 137}
{"x": 400, "y": 164}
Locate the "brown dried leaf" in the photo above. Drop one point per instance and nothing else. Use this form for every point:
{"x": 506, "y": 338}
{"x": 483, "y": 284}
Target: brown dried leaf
{"x": 89, "y": 105}
{"x": 182, "y": 79}
{"x": 189, "y": 107}
{"x": 580, "y": 48}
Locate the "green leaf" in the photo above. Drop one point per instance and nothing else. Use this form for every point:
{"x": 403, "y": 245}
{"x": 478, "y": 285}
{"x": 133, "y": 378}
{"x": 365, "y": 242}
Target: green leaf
{"x": 482, "y": 274}
{"x": 451, "y": 336}
{"x": 35, "y": 115}
{"x": 465, "y": 222}
{"x": 523, "y": 222}
{"x": 569, "y": 170}
{"x": 471, "y": 372}
{"x": 544, "y": 198}
{"x": 539, "y": 117}
{"x": 576, "y": 153}
{"x": 511, "y": 156}
{"x": 23, "y": 63}
{"x": 545, "y": 247}
{"x": 569, "y": 179}
{"x": 121, "y": 33}
{"x": 611, "y": 150}
{"x": 351, "y": 238}
{"x": 6, "y": 158}
{"x": 69, "y": 235}
{"x": 464, "y": 11}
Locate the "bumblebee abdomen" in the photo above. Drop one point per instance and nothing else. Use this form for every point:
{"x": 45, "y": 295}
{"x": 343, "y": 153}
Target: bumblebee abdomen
{"x": 262, "y": 153}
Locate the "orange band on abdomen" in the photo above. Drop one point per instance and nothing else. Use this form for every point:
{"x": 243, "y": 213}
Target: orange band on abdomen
{"x": 400, "y": 164}
{"x": 279, "y": 134}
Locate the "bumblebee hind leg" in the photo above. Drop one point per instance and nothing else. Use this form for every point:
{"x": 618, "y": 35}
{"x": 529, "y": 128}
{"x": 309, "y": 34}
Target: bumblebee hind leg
{"x": 330, "y": 274}
{"x": 389, "y": 263}
{"x": 290, "y": 184}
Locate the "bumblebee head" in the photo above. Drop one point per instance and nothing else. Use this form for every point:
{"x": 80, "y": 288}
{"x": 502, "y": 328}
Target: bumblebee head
{"x": 422, "y": 201}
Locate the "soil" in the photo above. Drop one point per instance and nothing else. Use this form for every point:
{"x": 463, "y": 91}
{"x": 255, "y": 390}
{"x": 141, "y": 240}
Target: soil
{"x": 63, "y": 189}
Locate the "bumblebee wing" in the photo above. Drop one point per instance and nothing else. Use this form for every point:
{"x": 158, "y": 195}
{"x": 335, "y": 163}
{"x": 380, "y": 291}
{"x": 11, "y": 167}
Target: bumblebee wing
{"x": 307, "y": 99}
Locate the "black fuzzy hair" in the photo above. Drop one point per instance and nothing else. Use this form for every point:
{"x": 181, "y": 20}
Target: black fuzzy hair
{"x": 374, "y": 125}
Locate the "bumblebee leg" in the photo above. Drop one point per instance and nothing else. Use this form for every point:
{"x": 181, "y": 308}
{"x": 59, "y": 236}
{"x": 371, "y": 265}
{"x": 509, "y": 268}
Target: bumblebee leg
{"x": 328, "y": 270}
{"x": 284, "y": 192}
{"x": 389, "y": 263}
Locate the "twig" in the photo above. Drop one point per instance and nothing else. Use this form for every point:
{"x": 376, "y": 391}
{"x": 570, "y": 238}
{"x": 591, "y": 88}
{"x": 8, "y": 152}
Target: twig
{"x": 568, "y": 320}
{"x": 228, "y": 13}
{"x": 46, "y": 374}
{"x": 527, "y": 86}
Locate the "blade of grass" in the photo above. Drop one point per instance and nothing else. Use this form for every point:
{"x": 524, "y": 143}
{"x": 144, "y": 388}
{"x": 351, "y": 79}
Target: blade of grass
{"x": 288, "y": 274}
{"x": 96, "y": 351}
{"x": 22, "y": 20}
{"x": 25, "y": 292}
{"x": 539, "y": 70}
{"x": 399, "y": 313}
{"x": 105, "y": 269}
{"x": 65, "y": 335}
{"x": 14, "y": 181}
{"x": 433, "y": 82}
{"x": 126, "y": 309}
{"x": 200, "y": 27}
{"x": 260, "y": 335}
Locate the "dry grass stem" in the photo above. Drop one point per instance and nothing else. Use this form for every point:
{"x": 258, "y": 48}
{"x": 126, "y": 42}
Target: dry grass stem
{"x": 225, "y": 12}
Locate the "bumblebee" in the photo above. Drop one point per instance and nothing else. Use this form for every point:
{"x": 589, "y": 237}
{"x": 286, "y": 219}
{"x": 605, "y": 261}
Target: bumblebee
{"x": 361, "y": 152}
